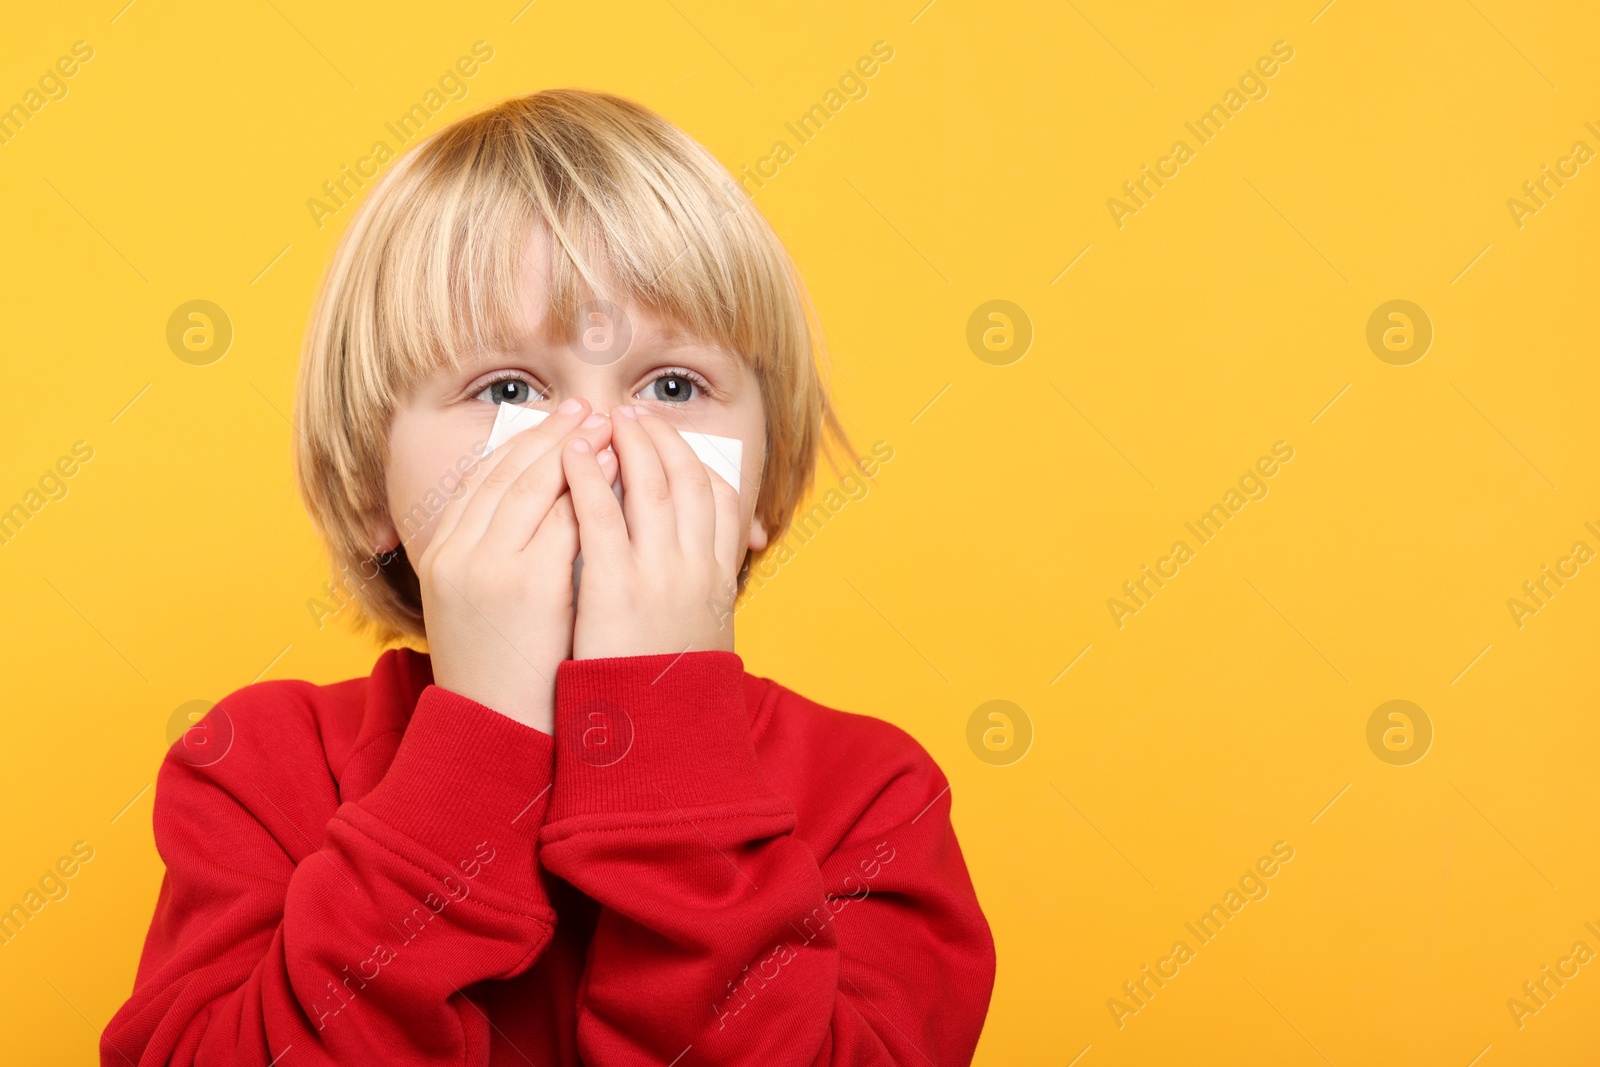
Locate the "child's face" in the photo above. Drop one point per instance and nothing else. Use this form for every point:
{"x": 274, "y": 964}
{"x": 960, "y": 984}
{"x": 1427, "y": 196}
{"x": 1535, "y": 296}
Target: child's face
{"x": 692, "y": 385}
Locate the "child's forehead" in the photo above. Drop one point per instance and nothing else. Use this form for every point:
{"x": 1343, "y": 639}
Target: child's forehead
{"x": 615, "y": 317}
{"x": 607, "y": 305}
{"x": 603, "y": 333}
{"x": 565, "y": 304}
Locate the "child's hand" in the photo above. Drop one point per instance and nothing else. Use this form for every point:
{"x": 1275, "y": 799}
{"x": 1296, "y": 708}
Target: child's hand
{"x": 496, "y": 579}
{"x": 659, "y": 569}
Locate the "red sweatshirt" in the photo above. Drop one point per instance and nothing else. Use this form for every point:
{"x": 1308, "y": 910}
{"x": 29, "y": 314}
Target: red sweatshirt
{"x": 700, "y": 867}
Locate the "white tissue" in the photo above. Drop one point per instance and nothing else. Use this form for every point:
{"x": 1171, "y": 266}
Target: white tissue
{"x": 722, "y": 454}
{"x": 510, "y": 420}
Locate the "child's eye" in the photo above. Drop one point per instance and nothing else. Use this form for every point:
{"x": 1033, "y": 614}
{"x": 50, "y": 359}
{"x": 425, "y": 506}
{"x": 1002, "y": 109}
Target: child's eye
{"x": 507, "y": 391}
{"x": 675, "y": 387}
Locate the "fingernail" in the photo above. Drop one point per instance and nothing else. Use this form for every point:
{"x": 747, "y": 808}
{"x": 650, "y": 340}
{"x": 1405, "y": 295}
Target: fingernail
{"x": 594, "y": 419}
{"x": 580, "y": 445}
{"x": 629, "y": 411}
{"x": 570, "y": 405}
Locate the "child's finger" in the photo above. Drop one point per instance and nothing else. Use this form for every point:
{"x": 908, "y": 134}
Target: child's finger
{"x": 457, "y": 503}
{"x": 450, "y": 516}
{"x": 522, "y": 451}
{"x": 727, "y": 547}
{"x": 647, "y": 500}
{"x": 554, "y": 548}
{"x": 525, "y": 502}
{"x": 690, "y": 480}
{"x": 602, "y": 532}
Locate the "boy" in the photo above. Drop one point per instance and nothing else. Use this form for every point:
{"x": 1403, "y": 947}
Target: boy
{"x": 571, "y": 832}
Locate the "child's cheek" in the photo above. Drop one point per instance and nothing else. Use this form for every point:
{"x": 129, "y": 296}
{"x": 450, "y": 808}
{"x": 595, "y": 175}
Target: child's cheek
{"x": 423, "y": 476}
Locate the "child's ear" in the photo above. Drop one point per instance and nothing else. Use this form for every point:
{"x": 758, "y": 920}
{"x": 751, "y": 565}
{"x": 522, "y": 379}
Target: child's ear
{"x": 382, "y": 535}
{"x": 758, "y": 534}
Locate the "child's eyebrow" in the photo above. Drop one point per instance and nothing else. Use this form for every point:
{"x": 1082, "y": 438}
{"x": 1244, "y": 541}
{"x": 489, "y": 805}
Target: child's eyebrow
{"x": 713, "y": 352}
{"x": 676, "y": 347}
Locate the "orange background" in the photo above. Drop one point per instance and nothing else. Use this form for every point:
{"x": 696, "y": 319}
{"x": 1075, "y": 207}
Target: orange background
{"x": 1163, "y": 757}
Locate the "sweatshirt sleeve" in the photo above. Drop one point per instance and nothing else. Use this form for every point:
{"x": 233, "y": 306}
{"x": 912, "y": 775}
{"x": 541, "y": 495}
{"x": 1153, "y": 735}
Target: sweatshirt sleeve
{"x": 723, "y": 938}
{"x": 344, "y": 932}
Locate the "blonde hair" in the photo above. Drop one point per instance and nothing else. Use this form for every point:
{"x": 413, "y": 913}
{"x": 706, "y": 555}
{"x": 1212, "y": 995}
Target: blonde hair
{"x": 426, "y": 273}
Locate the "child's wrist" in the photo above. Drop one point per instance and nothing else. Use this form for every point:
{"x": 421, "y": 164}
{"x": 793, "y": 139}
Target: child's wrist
{"x": 532, "y": 711}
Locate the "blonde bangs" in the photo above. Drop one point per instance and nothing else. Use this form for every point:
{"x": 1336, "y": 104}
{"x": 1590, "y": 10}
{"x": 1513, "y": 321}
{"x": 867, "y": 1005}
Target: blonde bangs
{"x": 656, "y": 221}
{"x": 427, "y": 277}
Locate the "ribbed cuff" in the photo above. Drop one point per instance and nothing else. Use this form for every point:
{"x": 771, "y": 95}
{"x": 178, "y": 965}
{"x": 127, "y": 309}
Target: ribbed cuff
{"x": 651, "y": 733}
{"x": 466, "y": 780}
